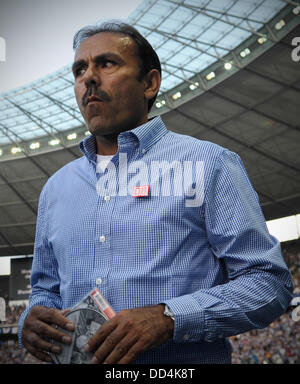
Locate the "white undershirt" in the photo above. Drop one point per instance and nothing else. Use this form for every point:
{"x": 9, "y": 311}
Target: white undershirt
{"x": 102, "y": 162}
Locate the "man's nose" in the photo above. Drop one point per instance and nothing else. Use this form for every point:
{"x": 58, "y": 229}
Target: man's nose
{"x": 91, "y": 76}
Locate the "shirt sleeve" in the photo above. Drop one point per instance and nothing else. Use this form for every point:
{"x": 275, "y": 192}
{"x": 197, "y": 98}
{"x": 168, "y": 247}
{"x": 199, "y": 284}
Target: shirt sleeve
{"x": 259, "y": 285}
{"x": 44, "y": 272}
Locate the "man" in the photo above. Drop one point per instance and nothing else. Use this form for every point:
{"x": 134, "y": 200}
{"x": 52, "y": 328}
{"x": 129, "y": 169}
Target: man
{"x": 182, "y": 270}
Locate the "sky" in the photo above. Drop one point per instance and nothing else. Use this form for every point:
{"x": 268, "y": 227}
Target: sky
{"x": 38, "y": 34}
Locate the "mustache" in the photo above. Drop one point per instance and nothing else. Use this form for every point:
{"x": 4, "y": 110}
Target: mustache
{"x": 94, "y": 91}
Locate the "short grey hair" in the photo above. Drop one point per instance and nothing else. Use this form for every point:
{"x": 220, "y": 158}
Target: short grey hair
{"x": 148, "y": 58}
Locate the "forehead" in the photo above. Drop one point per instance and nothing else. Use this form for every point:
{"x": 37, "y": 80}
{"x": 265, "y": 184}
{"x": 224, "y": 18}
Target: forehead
{"x": 104, "y": 42}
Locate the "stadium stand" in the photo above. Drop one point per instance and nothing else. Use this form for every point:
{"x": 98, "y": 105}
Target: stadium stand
{"x": 277, "y": 344}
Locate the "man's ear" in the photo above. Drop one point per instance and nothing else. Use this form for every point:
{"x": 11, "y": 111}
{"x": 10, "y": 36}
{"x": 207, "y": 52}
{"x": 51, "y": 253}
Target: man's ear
{"x": 152, "y": 83}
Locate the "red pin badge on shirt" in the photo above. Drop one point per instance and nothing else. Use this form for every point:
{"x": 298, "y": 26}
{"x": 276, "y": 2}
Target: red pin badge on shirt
{"x": 141, "y": 191}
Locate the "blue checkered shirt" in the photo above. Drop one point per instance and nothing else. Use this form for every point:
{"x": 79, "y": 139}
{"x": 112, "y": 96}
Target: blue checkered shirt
{"x": 214, "y": 263}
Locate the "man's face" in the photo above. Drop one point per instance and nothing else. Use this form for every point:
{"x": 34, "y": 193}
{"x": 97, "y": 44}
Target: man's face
{"x": 108, "y": 92}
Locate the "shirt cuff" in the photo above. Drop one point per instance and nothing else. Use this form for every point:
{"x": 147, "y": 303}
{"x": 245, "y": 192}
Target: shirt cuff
{"x": 189, "y": 319}
{"x": 20, "y": 326}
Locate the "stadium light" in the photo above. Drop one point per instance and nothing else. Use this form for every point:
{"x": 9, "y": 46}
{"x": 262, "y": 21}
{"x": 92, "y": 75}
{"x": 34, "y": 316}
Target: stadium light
{"x": 280, "y": 25}
{"x": 160, "y": 104}
{"x": 210, "y": 76}
{"x": 176, "y": 96}
{"x": 262, "y": 40}
{"x": 34, "y": 145}
{"x": 54, "y": 142}
{"x": 245, "y": 52}
{"x": 72, "y": 136}
{"x": 296, "y": 10}
{"x": 15, "y": 150}
{"x": 228, "y": 66}
{"x": 194, "y": 86}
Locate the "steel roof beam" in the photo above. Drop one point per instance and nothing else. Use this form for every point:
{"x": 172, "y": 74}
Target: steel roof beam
{"x": 243, "y": 18}
{"x": 162, "y": 33}
{"x": 197, "y": 48}
{"x": 203, "y": 11}
{"x": 23, "y": 224}
{"x": 10, "y": 246}
{"x": 294, "y": 196}
{"x": 14, "y": 203}
{"x": 241, "y": 143}
{"x": 276, "y": 202}
{"x": 34, "y": 118}
{"x": 25, "y": 151}
{"x": 144, "y": 11}
{"x": 24, "y": 180}
{"x": 254, "y": 107}
{"x": 162, "y": 20}
{"x": 66, "y": 108}
{"x": 234, "y": 139}
{"x": 175, "y": 36}
{"x": 291, "y": 2}
{"x": 18, "y": 194}
{"x": 268, "y": 78}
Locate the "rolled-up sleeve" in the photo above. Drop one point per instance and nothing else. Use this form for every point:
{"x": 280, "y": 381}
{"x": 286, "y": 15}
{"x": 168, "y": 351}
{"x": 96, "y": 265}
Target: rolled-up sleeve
{"x": 259, "y": 285}
{"x": 44, "y": 272}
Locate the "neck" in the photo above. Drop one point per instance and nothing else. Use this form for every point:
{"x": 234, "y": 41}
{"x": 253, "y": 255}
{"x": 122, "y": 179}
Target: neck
{"x": 108, "y": 144}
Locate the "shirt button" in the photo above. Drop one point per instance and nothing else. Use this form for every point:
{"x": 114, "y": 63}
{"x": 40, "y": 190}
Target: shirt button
{"x": 106, "y": 198}
{"x": 186, "y": 337}
{"x": 102, "y": 239}
{"x": 143, "y": 150}
{"x": 99, "y": 281}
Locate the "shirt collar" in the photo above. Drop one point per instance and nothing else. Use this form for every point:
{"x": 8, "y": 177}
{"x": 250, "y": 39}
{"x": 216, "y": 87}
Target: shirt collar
{"x": 147, "y": 135}
{"x": 150, "y": 133}
{"x": 88, "y": 147}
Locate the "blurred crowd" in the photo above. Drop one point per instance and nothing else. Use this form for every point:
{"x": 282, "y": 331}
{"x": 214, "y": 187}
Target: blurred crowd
{"x": 279, "y": 343}
{"x": 10, "y": 353}
{"x": 13, "y": 313}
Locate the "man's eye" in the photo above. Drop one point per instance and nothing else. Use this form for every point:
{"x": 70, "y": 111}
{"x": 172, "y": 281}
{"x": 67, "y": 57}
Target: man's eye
{"x": 79, "y": 71}
{"x": 108, "y": 64}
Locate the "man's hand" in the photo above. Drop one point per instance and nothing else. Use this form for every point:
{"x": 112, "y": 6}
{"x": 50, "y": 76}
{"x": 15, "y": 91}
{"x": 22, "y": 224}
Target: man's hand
{"x": 130, "y": 333}
{"x": 37, "y": 330}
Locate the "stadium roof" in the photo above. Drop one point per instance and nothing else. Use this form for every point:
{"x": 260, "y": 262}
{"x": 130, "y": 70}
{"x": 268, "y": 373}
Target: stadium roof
{"x": 251, "y": 107}
{"x": 189, "y": 36}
